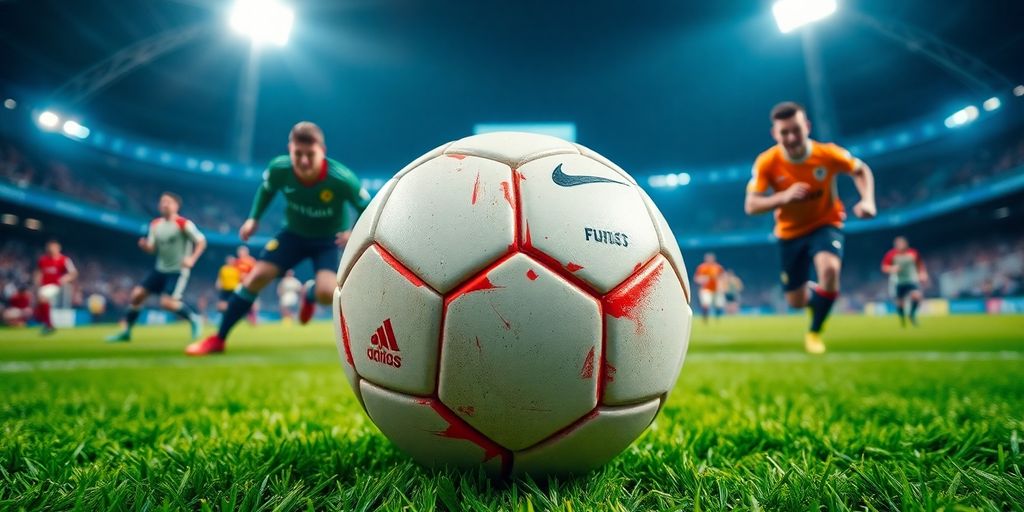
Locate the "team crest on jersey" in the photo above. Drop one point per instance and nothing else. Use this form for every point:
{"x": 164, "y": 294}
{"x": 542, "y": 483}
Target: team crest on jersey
{"x": 819, "y": 173}
{"x": 326, "y": 195}
{"x": 271, "y": 245}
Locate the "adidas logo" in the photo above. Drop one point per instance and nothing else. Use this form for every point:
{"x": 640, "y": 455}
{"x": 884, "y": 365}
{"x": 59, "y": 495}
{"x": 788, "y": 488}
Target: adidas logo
{"x": 383, "y": 346}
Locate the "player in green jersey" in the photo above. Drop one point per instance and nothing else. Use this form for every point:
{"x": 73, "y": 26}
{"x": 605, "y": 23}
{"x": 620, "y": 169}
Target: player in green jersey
{"x": 316, "y": 189}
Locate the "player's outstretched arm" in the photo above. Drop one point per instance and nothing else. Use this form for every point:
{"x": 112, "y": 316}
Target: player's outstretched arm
{"x": 756, "y": 203}
{"x": 200, "y": 244}
{"x": 264, "y": 195}
{"x": 864, "y": 180}
{"x": 72, "y": 273}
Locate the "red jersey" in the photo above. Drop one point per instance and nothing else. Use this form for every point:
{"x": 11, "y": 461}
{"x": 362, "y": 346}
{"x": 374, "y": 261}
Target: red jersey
{"x": 52, "y": 268}
{"x": 20, "y": 300}
{"x": 245, "y": 265}
{"x": 712, "y": 272}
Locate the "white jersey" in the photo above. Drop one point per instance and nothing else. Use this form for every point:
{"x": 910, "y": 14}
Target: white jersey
{"x": 172, "y": 239}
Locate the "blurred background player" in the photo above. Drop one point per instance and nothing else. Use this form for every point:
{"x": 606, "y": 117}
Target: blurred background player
{"x": 178, "y": 244}
{"x": 54, "y": 271}
{"x": 18, "y": 310}
{"x": 733, "y": 288}
{"x": 288, "y": 291}
{"x": 808, "y": 213}
{"x": 316, "y": 189}
{"x": 708, "y": 276}
{"x": 907, "y": 274}
{"x": 245, "y": 263}
{"x": 228, "y": 279}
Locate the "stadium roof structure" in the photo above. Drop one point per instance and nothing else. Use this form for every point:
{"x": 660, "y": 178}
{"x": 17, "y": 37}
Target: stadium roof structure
{"x": 651, "y": 85}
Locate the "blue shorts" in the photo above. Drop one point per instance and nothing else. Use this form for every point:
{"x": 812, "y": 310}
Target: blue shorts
{"x": 171, "y": 284}
{"x": 224, "y": 295}
{"x": 902, "y": 290}
{"x": 286, "y": 250}
{"x": 797, "y": 254}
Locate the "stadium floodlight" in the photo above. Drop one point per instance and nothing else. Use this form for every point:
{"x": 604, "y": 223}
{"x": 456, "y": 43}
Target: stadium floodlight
{"x": 962, "y": 117}
{"x": 1018, "y": 91}
{"x": 73, "y": 129}
{"x": 10, "y": 104}
{"x": 991, "y": 104}
{"x": 48, "y": 120}
{"x": 793, "y": 14}
{"x": 263, "y": 20}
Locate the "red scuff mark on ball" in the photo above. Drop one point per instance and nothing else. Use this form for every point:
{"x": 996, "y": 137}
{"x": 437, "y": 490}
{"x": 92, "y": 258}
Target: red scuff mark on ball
{"x": 573, "y": 267}
{"x": 637, "y": 267}
{"x": 609, "y": 371}
{"x": 457, "y": 157}
{"x": 479, "y": 284}
{"x": 468, "y": 410}
{"x": 531, "y": 275}
{"x": 632, "y": 296}
{"x": 528, "y": 240}
{"x": 508, "y": 325}
{"x": 476, "y": 188}
{"x": 401, "y": 269}
{"x": 345, "y": 338}
{"x": 506, "y": 188}
{"x": 458, "y": 429}
{"x": 587, "y": 372}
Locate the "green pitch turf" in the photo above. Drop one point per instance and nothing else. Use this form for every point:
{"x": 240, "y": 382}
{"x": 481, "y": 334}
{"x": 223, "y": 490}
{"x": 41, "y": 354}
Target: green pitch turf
{"x": 890, "y": 419}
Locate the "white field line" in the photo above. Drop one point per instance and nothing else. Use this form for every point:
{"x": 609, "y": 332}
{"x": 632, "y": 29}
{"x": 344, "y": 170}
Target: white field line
{"x": 696, "y": 358}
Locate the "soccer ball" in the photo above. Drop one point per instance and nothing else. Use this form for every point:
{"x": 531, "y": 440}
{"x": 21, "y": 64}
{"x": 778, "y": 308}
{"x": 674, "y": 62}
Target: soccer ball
{"x": 512, "y": 301}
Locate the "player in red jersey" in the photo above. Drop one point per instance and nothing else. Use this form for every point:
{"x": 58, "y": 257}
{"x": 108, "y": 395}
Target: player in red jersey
{"x": 54, "y": 270}
{"x": 906, "y": 274}
{"x": 709, "y": 276}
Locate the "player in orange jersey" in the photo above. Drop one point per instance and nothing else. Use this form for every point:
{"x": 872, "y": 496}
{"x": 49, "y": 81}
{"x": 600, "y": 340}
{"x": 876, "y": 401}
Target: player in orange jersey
{"x": 808, "y": 214}
{"x": 709, "y": 276}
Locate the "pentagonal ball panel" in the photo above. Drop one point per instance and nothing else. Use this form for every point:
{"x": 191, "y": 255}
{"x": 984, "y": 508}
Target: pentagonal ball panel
{"x": 586, "y": 218}
{"x": 597, "y": 439}
{"x": 449, "y": 218}
{"x": 669, "y": 244}
{"x": 648, "y": 328}
{"x": 520, "y": 352}
{"x": 341, "y": 336}
{"x": 511, "y": 148}
{"x": 428, "y": 432}
{"x": 393, "y": 321}
{"x": 362, "y": 232}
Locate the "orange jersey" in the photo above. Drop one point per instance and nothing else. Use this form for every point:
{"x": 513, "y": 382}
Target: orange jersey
{"x": 818, "y": 169}
{"x": 712, "y": 272}
{"x": 245, "y": 265}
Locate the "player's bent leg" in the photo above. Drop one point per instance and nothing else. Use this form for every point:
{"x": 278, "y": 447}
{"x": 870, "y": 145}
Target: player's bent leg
{"x": 915, "y": 300}
{"x": 136, "y": 300}
{"x": 797, "y": 299}
{"x": 185, "y": 312}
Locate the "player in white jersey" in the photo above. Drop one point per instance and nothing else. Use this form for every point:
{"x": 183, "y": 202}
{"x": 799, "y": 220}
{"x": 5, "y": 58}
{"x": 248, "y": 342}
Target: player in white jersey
{"x": 288, "y": 290}
{"x": 177, "y": 244}
{"x": 906, "y": 276}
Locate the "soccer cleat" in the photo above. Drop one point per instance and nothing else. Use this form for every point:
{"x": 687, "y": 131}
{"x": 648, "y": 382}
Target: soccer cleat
{"x": 813, "y": 343}
{"x": 122, "y": 337}
{"x": 306, "y": 307}
{"x": 210, "y": 345}
{"x": 196, "y": 322}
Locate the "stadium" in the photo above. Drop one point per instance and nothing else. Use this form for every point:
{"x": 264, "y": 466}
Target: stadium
{"x": 112, "y": 110}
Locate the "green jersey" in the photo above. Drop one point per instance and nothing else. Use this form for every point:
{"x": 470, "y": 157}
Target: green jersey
{"x": 316, "y": 209}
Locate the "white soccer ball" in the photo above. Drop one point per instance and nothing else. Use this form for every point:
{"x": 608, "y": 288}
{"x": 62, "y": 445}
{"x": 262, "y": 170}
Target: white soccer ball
{"x": 514, "y": 301}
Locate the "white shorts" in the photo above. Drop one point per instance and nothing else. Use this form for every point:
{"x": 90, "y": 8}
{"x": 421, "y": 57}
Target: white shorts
{"x": 49, "y": 293}
{"x": 289, "y": 300}
{"x": 709, "y": 298}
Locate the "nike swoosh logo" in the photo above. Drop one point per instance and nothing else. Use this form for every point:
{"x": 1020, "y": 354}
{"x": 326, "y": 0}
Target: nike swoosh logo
{"x": 567, "y": 180}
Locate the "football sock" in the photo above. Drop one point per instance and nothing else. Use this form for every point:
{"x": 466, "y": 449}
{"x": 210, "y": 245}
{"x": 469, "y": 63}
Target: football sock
{"x": 238, "y": 305}
{"x": 913, "y": 309}
{"x": 43, "y": 314}
{"x": 820, "y": 306}
{"x": 185, "y": 311}
{"x": 132, "y": 317}
{"x": 901, "y": 312}
{"x": 311, "y": 292}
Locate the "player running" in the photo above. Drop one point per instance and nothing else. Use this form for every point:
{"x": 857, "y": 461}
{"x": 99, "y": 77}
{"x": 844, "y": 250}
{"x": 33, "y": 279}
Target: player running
{"x": 808, "y": 213}
{"x": 54, "y": 271}
{"x": 178, "y": 244}
{"x": 228, "y": 279}
{"x": 733, "y": 288}
{"x": 709, "y": 276}
{"x": 315, "y": 189}
{"x": 906, "y": 276}
{"x": 288, "y": 290}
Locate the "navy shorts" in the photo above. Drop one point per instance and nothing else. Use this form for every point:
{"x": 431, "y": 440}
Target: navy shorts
{"x": 902, "y": 290}
{"x": 798, "y": 254}
{"x": 286, "y": 250}
{"x": 166, "y": 283}
{"x": 224, "y": 295}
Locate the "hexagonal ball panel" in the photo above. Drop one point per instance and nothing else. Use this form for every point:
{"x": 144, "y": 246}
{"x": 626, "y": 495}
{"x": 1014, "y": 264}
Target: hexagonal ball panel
{"x": 601, "y": 436}
{"x": 393, "y": 322}
{"x": 520, "y": 352}
{"x": 586, "y": 218}
{"x": 648, "y": 329}
{"x": 669, "y": 244}
{"x": 430, "y": 433}
{"x": 511, "y": 148}
{"x": 362, "y": 231}
{"x": 341, "y": 337}
{"x": 449, "y": 218}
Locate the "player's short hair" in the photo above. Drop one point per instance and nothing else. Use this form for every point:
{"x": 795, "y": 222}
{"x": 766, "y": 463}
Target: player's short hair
{"x": 786, "y": 110}
{"x": 172, "y": 195}
{"x": 53, "y": 241}
{"x": 305, "y": 132}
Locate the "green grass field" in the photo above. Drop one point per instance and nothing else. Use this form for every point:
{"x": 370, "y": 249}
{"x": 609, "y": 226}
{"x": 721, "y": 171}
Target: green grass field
{"x": 890, "y": 419}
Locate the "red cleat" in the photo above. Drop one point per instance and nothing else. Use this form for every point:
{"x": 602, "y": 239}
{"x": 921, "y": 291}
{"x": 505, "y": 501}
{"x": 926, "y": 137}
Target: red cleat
{"x": 307, "y": 307}
{"x": 211, "y": 345}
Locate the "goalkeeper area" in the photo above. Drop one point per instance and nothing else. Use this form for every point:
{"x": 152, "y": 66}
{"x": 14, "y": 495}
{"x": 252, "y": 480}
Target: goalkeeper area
{"x": 888, "y": 419}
